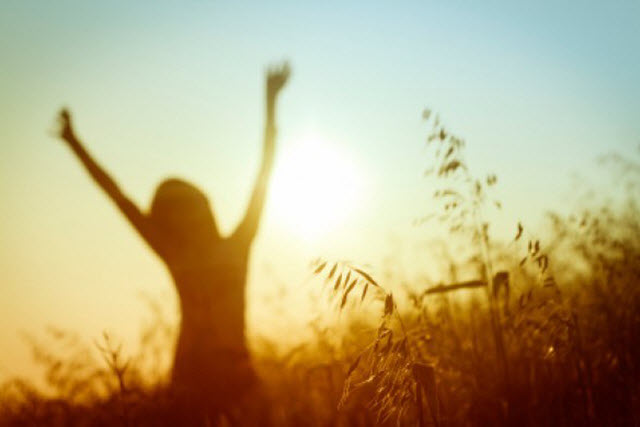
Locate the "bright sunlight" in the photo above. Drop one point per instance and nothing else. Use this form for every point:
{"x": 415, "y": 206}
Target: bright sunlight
{"x": 315, "y": 187}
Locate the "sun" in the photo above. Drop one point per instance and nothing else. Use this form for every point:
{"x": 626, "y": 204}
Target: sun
{"x": 315, "y": 188}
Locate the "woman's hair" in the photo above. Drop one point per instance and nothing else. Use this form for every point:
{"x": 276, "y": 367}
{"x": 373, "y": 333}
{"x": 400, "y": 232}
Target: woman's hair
{"x": 181, "y": 212}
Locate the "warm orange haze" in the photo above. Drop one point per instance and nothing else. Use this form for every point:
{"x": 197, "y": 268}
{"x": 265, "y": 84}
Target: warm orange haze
{"x": 320, "y": 214}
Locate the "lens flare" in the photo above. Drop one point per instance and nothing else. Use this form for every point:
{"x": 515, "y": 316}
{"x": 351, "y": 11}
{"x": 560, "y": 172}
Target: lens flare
{"x": 315, "y": 188}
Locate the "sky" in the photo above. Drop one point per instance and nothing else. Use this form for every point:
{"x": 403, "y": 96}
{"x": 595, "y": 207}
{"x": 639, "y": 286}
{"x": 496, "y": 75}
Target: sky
{"x": 537, "y": 89}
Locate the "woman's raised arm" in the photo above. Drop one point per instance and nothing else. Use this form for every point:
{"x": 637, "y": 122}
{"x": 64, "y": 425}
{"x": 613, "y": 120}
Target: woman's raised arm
{"x": 139, "y": 221}
{"x": 276, "y": 80}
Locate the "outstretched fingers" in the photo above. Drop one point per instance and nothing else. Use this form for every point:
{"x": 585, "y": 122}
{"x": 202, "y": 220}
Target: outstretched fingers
{"x": 277, "y": 77}
{"x": 65, "y": 128}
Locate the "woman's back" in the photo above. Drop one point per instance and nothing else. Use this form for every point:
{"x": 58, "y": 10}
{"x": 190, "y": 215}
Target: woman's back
{"x": 209, "y": 273}
{"x": 211, "y": 357}
{"x": 211, "y": 287}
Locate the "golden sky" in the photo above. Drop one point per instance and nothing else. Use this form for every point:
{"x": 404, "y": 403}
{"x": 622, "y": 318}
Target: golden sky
{"x": 175, "y": 89}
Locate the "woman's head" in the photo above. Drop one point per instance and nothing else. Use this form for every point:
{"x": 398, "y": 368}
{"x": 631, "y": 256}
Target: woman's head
{"x": 182, "y": 212}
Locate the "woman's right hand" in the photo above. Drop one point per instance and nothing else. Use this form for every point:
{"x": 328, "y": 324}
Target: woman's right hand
{"x": 65, "y": 128}
{"x": 276, "y": 79}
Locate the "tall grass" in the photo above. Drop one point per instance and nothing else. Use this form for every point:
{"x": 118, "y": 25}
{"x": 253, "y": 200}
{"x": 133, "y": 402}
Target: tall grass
{"x": 546, "y": 333}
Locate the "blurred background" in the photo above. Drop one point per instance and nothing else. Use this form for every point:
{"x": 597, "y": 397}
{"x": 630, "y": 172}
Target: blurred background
{"x": 159, "y": 89}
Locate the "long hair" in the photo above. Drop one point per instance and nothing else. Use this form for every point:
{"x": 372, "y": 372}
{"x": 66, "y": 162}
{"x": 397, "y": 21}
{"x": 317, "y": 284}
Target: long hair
{"x": 182, "y": 213}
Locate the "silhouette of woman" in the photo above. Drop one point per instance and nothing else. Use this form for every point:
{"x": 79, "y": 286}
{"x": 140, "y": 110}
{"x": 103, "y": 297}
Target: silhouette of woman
{"x": 211, "y": 368}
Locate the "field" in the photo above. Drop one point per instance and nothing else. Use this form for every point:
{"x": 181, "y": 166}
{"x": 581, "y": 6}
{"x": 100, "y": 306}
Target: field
{"x": 544, "y": 332}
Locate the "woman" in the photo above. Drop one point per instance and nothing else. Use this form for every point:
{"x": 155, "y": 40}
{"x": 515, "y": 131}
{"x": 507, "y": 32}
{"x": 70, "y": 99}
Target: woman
{"x": 211, "y": 368}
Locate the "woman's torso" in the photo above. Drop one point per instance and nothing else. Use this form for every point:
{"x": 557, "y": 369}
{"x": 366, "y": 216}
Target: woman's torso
{"x": 211, "y": 353}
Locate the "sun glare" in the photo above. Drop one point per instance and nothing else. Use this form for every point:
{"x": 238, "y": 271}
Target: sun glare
{"x": 315, "y": 188}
